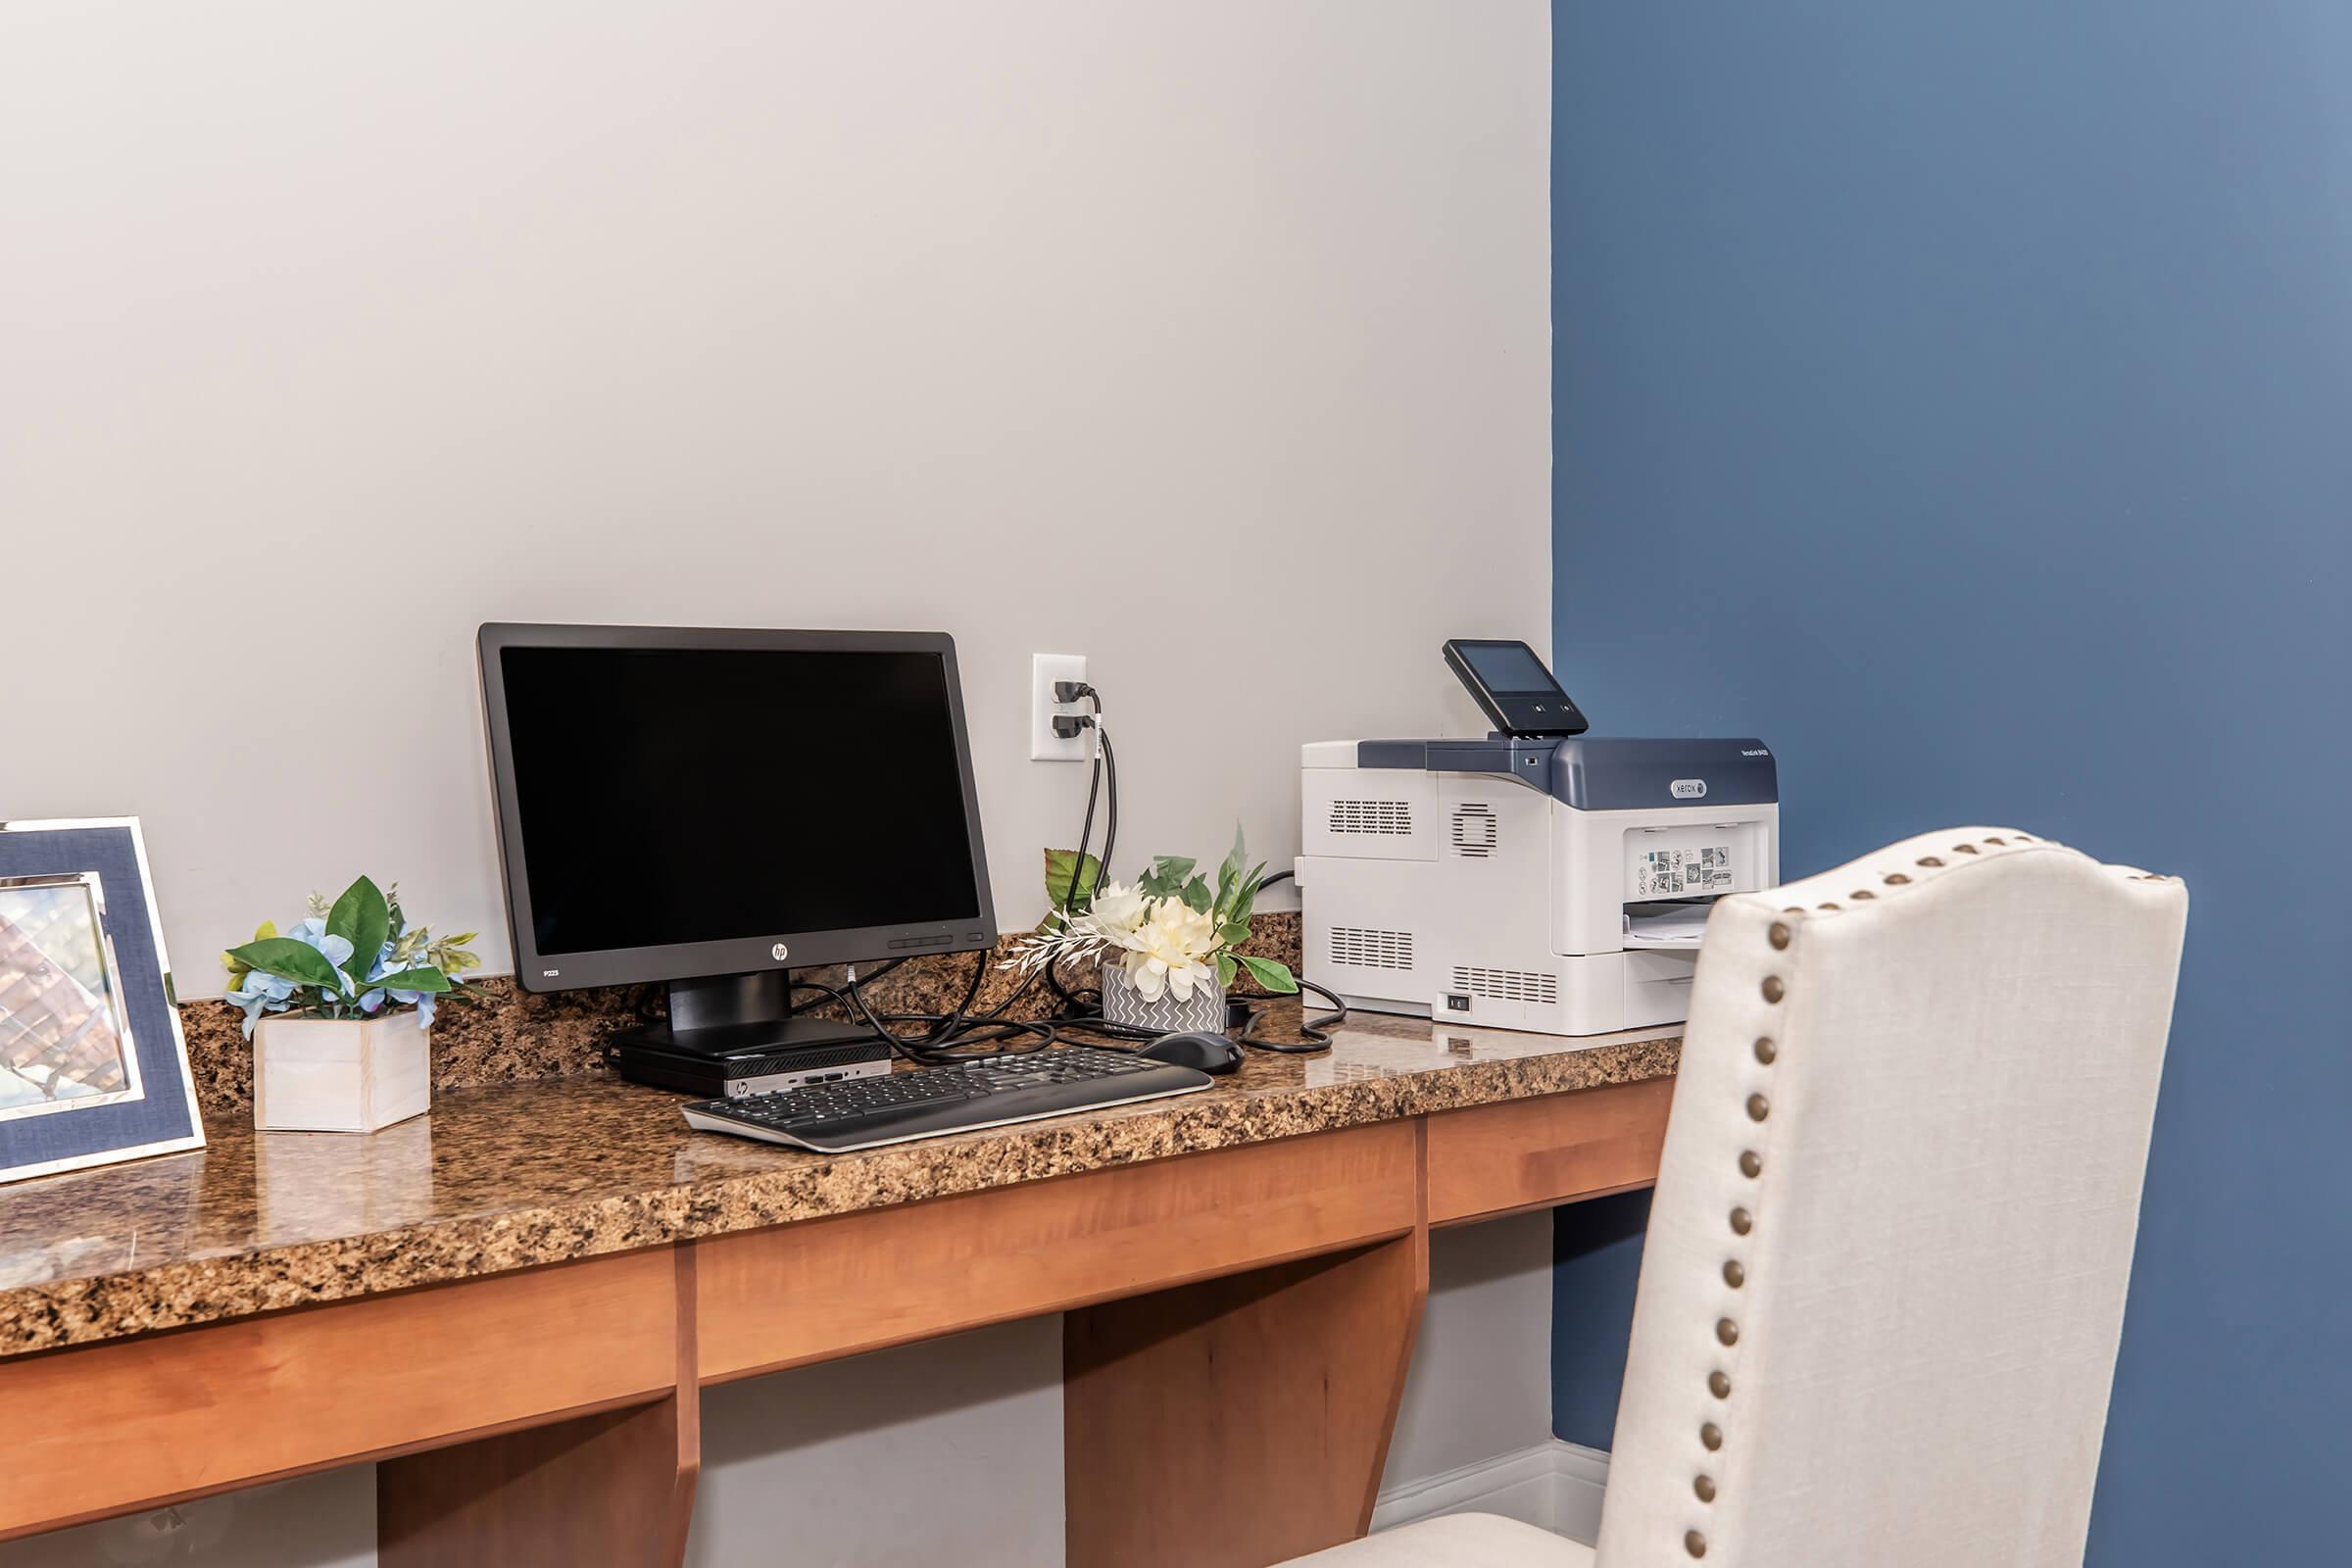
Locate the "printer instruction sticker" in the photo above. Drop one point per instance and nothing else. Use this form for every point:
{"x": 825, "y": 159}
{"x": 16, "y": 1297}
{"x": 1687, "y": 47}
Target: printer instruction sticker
{"x": 1681, "y": 873}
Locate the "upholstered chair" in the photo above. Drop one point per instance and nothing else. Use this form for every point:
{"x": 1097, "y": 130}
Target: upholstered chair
{"x": 1884, "y": 1274}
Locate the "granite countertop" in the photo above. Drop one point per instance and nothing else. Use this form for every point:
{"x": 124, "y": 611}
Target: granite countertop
{"x": 508, "y": 1176}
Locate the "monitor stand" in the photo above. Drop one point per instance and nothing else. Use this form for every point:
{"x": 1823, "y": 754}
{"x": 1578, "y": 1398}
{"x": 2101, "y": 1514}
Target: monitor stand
{"x": 744, "y": 1014}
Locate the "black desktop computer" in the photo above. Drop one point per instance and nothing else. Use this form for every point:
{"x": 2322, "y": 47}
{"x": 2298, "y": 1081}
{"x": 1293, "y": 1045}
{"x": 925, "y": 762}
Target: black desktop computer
{"x": 711, "y": 808}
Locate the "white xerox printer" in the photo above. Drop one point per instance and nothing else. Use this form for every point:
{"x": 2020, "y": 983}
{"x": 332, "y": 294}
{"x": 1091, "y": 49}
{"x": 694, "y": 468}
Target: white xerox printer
{"x": 1548, "y": 882}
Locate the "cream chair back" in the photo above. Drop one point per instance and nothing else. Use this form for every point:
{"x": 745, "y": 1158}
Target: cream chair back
{"x": 1886, "y": 1266}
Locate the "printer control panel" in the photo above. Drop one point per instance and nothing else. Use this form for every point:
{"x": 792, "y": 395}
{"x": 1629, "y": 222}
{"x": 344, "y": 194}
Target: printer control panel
{"x": 1510, "y": 683}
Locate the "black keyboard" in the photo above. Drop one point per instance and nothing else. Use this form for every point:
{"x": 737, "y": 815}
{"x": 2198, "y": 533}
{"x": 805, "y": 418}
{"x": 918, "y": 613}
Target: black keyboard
{"x": 986, "y": 1092}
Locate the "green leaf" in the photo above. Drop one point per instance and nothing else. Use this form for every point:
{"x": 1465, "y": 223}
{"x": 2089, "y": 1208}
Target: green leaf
{"x": 291, "y": 959}
{"x": 1247, "y": 900}
{"x": 1197, "y": 897}
{"x": 1273, "y": 975}
{"x": 448, "y": 958}
{"x": 1225, "y": 968}
{"x": 362, "y": 918}
{"x": 1229, "y": 875}
{"x": 433, "y": 980}
{"x": 1062, "y": 867}
{"x": 1165, "y": 879}
{"x": 1234, "y": 933}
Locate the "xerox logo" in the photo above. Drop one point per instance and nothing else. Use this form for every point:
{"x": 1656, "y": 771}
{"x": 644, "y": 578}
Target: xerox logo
{"x": 1689, "y": 789}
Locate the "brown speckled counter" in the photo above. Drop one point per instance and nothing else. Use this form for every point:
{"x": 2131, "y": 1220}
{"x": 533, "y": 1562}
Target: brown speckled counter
{"x": 515, "y": 1175}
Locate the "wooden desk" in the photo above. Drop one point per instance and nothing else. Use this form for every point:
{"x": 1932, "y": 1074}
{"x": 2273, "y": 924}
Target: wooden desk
{"x": 513, "y": 1303}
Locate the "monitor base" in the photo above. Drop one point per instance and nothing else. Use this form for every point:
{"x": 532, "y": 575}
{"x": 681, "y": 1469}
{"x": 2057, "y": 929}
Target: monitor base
{"x": 744, "y": 1014}
{"x": 774, "y": 1036}
{"x": 645, "y": 1057}
{"x": 732, "y": 1035}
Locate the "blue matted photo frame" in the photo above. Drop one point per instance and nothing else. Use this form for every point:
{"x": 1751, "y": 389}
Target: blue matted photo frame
{"x": 93, "y": 1067}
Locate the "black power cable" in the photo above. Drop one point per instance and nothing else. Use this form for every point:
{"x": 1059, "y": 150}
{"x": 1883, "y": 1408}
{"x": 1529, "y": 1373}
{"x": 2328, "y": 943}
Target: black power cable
{"x": 1316, "y": 1031}
{"x": 932, "y": 1049}
{"x": 948, "y": 1030}
{"x": 1075, "y": 1010}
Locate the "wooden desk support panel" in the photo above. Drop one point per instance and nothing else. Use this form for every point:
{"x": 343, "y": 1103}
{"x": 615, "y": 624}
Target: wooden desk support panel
{"x": 1242, "y": 1421}
{"x": 1534, "y": 1154}
{"x": 614, "y": 1489}
{"x": 804, "y": 1293}
{"x": 142, "y": 1422}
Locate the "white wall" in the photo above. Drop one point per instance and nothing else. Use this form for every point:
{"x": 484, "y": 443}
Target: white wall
{"x": 1480, "y": 1378}
{"x": 1207, "y": 339}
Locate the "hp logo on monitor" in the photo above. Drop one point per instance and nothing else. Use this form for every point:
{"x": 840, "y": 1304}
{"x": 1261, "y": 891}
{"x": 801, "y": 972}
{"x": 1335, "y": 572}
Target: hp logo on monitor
{"x": 779, "y": 952}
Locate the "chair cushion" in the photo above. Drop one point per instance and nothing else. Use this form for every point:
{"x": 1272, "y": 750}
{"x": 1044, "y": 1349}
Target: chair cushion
{"x": 1456, "y": 1540}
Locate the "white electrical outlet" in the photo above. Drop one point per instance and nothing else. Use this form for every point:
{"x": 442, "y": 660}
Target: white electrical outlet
{"x": 1044, "y": 744}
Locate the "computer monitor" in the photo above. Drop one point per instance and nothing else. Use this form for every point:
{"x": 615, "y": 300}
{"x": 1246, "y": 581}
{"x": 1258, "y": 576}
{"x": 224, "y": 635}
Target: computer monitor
{"x": 712, "y": 808}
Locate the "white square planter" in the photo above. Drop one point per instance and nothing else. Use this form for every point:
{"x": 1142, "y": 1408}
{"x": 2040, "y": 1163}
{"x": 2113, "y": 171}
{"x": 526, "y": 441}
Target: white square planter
{"x": 339, "y": 1075}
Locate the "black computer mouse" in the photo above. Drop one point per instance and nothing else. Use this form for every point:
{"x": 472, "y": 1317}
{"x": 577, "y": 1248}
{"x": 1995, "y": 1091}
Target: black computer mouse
{"x": 1209, "y": 1052}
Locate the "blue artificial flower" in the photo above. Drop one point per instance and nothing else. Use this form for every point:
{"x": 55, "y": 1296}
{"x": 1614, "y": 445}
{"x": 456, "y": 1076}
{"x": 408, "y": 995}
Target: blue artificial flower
{"x": 421, "y": 1000}
{"x": 337, "y": 949}
{"x": 261, "y": 992}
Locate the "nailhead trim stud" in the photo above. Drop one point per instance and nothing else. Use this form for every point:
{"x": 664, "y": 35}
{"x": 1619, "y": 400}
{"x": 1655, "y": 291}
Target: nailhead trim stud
{"x": 1751, "y": 1165}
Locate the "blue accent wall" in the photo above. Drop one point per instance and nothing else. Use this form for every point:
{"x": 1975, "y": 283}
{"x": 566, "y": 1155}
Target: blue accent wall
{"x": 1960, "y": 398}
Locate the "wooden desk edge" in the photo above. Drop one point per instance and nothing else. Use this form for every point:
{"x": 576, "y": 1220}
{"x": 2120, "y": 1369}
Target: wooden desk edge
{"x": 1216, "y": 1214}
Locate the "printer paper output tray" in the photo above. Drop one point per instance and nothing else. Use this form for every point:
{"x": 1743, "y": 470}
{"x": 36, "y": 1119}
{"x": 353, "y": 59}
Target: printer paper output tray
{"x": 1675, "y": 927}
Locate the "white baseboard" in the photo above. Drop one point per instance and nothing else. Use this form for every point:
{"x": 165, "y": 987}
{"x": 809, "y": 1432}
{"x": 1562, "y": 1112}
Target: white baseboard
{"x": 1555, "y": 1485}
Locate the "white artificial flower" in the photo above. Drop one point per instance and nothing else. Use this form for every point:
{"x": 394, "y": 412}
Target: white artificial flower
{"x": 1165, "y": 951}
{"x": 1116, "y": 911}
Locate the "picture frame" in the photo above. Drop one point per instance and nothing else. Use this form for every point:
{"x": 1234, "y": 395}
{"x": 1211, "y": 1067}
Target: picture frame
{"x": 93, "y": 1065}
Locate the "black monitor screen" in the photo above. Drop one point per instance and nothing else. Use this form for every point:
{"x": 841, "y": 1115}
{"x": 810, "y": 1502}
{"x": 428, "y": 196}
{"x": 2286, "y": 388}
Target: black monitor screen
{"x": 674, "y": 794}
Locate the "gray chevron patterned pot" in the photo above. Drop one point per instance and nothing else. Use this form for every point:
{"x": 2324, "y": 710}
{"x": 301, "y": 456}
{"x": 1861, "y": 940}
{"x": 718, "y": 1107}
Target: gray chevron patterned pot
{"x": 1123, "y": 1005}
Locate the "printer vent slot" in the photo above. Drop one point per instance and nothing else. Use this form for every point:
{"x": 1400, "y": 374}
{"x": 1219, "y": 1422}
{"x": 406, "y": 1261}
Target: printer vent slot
{"x": 1391, "y": 818}
{"x": 1506, "y": 985}
{"x": 1362, "y": 947}
{"x": 1474, "y": 830}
